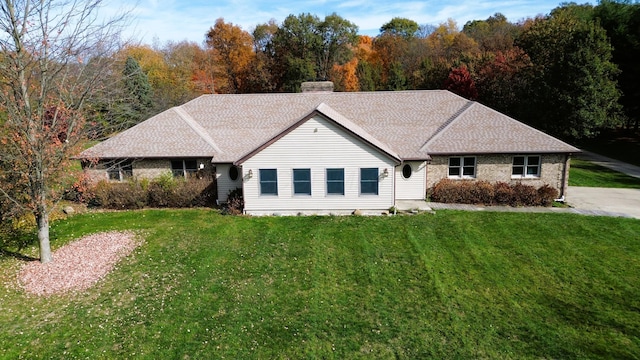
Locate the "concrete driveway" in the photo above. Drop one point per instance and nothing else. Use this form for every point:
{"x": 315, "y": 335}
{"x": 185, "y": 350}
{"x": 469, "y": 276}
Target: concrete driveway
{"x": 624, "y": 201}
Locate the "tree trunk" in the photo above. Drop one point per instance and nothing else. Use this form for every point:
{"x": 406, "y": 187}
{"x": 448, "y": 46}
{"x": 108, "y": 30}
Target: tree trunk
{"x": 43, "y": 237}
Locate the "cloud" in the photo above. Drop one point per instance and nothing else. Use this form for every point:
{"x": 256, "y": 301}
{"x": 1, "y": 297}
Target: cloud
{"x": 178, "y": 20}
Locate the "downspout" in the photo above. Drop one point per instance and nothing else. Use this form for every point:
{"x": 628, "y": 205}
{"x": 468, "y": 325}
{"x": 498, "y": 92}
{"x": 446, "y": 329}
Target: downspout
{"x": 395, "y": 185}
{"x": 565, "y": 176}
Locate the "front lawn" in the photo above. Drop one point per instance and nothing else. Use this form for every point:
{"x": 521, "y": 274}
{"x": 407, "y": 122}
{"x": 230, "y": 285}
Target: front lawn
{"x": 449, "y": 285}
{"x": 586, "y": 173}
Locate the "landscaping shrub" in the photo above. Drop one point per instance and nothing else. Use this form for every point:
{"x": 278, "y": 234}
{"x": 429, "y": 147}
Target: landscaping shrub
{"x": 547, "y": 195}
{"x": 445, "y": 191}
{"x": 484, "y": 192}
{"x": 502, "y": 193}
{"x": 165, "y": 191}
{"x": 524, "y": 195}
{"x": 161, "y": 191}
{"x": 235, "y": 202}
{"x": 127, "y": 195}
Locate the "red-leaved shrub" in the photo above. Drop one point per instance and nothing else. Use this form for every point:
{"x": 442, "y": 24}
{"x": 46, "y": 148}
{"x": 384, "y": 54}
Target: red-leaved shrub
{"x": 484, "y": 192}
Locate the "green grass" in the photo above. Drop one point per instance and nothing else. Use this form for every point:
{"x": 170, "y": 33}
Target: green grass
{"x": 586, "y": 173}
{"x": 450, "y": 285}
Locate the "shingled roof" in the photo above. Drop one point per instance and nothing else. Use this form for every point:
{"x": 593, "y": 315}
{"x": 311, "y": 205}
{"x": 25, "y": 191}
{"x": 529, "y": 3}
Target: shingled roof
{"x": 408, "y": 125}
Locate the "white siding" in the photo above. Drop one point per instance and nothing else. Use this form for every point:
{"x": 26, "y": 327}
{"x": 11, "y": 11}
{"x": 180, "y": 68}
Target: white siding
{"x": 317, "y": 144}
{"x": 224, "y": 182}
{"x": 413, "y": 188}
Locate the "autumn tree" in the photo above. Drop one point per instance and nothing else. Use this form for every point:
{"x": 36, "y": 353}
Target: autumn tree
{"x": 55, "y": 56}
{"x": 367, "y": 76}
{"x": 188, "y": 65}
{"x": 460, "y": 82}
{"x": 390, "y": 51}
{"x": 447, "y": 42}
{"x": 493, "y": 34}
{"x": 345, "y": 76}
{"x": 233, "y": 52}
{"x": 503, "y": 79}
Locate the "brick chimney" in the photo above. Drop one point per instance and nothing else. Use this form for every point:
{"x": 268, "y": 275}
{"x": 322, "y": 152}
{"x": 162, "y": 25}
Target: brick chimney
{"x": 317, "y": 87}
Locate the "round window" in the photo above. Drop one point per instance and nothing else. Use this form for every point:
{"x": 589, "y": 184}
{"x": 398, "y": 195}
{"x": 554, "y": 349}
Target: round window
{"x": 406, "y": 171}
{"x": 233, "y": 173}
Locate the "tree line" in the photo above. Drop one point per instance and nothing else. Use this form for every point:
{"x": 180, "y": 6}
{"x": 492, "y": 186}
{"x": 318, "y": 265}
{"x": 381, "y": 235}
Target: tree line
{"x": 571, "y": 73}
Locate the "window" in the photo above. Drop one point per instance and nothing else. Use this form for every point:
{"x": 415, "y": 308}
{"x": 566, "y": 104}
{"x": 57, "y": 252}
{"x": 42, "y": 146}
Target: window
{"x": 335, "y": 181}
{"x": 119, "y": 170}
{"x": 184, "y": 168}
{"x": 526, "y": 166}
{"x": 233, "y": 173}
{"x": 369, "y": 181}
{"x": 302, "y": 181}
{"x": 406, "y": 171}
{"x": 462, "y": 167}
{"x": 268, "y": 182}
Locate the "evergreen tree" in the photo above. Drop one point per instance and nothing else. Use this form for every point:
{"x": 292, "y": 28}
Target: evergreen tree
{"x": 137, "y": 85}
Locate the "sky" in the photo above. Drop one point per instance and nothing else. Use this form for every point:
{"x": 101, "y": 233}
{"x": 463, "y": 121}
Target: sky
{"x": 159, "y": 21}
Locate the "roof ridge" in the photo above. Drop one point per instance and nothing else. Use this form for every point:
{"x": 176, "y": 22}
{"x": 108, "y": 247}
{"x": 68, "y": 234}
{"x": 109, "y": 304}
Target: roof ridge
{"x": 184, "y": 115}
{"x": 447, "y": 123}
{"x": 356, "y": 129}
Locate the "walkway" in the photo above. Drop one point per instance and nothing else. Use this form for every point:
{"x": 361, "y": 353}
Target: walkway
{"x": 416, "y": 205}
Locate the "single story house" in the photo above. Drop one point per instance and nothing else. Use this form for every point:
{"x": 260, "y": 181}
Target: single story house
{"x": 321, "y": 151}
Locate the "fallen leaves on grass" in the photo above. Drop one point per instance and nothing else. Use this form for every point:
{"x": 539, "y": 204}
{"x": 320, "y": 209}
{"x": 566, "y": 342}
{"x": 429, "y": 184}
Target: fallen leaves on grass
{"x": 78, "y": 265}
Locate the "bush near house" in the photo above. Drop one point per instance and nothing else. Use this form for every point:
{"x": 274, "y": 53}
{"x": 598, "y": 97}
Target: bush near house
{"x": 486, "y": 193}
{"x": 163, "y": 192}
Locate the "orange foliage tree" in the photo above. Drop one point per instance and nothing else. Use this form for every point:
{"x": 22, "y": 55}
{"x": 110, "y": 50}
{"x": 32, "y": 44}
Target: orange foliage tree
{"x": 233, "y": 52}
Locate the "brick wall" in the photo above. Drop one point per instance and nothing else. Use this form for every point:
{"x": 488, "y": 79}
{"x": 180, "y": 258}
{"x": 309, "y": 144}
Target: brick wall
{"x": 497, "y": 167}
